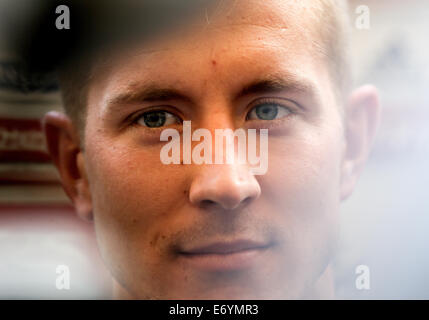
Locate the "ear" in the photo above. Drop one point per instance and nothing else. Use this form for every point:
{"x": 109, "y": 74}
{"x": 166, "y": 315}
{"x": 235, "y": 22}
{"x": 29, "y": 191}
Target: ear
{"x": 64, "y": 147}
{"x": 361, "y": 122}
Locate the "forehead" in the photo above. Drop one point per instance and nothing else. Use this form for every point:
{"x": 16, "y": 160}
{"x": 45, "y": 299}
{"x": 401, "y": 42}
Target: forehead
{"x": 254, "y": 38}
{"x": 286, "y": 23}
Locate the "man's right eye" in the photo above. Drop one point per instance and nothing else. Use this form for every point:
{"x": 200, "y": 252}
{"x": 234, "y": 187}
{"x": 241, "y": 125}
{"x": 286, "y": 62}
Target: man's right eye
{"x": 157, "y": 119}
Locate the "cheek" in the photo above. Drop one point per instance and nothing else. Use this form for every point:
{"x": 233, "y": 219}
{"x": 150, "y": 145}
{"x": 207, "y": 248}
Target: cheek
{"x": 310, "y": 170}
{"x": 301, "y": 189}
{"x": 304, "y": 176}
{"x": 134, "y": 196}
{"x": 132, "y": 193}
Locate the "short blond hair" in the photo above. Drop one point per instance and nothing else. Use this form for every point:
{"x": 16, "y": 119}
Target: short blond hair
{"x": 335, "y": 30}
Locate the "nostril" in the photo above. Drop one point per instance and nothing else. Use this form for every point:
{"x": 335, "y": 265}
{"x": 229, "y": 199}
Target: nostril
{"x": 247, "y": 201}
{"x": 226, "y": 188}
{"x": 207, "y": 203}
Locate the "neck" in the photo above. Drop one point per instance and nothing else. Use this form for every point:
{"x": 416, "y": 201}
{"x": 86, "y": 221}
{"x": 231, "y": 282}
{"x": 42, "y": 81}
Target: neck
{"x": 119, "y": 293}
{"x": 323, "y": 289}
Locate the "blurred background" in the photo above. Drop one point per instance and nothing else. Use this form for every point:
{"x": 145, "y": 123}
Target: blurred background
{"x": 385, "y": 223}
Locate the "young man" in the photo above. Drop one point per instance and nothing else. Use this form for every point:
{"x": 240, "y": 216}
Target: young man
{"x": 218, "y": 231}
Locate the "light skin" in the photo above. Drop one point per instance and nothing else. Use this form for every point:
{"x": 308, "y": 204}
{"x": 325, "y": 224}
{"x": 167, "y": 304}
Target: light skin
{"x": 147, "y": 215}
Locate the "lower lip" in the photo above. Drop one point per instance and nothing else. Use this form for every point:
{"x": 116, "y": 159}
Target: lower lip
{"x": 225, "y": 262}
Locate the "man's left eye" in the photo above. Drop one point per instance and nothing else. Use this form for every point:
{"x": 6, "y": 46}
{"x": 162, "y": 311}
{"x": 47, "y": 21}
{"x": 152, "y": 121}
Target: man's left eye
{"x": 268, "y": 111}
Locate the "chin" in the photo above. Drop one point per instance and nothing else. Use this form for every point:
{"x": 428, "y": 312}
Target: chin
{"x": 230, "y": 294}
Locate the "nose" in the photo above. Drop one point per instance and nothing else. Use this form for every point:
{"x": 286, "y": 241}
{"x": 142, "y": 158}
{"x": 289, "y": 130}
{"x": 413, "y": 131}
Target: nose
{"x": 227, "y": 186}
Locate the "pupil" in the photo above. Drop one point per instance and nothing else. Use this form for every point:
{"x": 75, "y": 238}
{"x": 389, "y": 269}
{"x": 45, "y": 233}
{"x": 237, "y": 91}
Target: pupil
{"x": 267, "y": 112}
{"x": 154, "y": 119}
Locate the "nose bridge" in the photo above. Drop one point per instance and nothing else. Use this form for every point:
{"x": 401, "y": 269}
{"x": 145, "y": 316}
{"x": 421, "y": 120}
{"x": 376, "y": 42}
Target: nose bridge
{"x": 227, "y": 182}
{"x": 216, "y": 118}
{"x": 224, "y": 185}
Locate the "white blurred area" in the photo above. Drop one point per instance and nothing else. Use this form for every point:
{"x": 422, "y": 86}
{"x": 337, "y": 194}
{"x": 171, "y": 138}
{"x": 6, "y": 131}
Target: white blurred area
{"x": 35, "y": 241}
{"x": 385, "y": 224}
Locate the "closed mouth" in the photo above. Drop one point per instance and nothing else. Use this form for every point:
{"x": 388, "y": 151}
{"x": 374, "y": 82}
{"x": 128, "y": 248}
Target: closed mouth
{"x": 225, "y": 256}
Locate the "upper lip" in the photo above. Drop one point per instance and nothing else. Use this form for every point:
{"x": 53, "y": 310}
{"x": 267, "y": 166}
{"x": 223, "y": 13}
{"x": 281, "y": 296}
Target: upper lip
{"x": 226, "y": 247}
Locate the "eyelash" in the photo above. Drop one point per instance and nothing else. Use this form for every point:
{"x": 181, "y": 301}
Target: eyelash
{"x": 272, "y": 101}
{"x": 133, "y": 119}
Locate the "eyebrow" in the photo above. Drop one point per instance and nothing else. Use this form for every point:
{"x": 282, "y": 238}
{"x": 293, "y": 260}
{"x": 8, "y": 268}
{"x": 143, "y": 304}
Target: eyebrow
{"x": 147, "y": 93}
{"x": 278, "y": 83}
{"x": 137, "y": 93}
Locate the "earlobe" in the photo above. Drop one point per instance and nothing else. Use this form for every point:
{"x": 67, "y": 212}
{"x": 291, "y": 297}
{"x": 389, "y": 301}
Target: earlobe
{"x": 361, "y": 123}
{"x": 63, "y": 144}
{"x": 83, "y": 203}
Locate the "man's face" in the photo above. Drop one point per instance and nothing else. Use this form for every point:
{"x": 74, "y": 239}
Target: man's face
{"x": 161, "y": 228}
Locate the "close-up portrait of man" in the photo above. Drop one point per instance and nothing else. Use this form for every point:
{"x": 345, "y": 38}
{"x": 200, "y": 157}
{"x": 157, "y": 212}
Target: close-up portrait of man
{"x": 217, "y": 230}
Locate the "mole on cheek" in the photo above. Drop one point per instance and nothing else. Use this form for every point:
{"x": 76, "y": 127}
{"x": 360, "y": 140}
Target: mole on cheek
{"x": 214, "y": 62}
{"x": 154, "y": 239}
